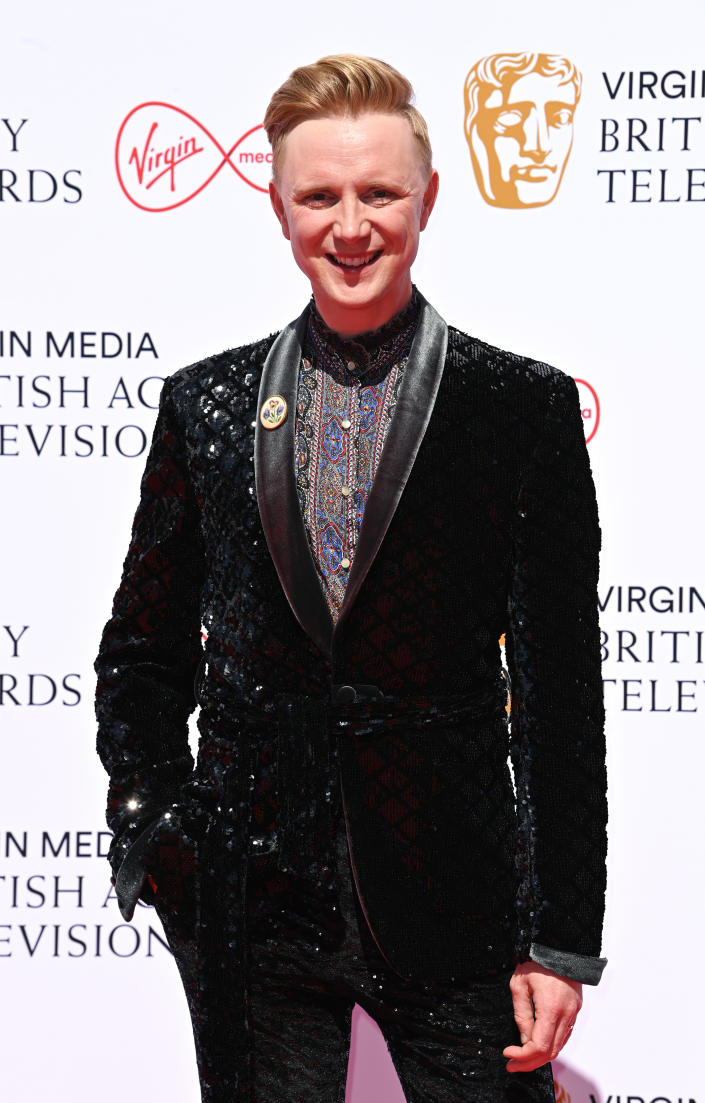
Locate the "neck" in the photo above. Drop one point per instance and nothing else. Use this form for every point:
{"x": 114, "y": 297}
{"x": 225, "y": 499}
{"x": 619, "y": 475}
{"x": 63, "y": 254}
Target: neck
{"x": 350, "y": 321}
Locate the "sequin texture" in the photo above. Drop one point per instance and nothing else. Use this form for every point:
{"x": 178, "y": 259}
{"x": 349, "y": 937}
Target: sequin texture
{"x": 439, "y": 846}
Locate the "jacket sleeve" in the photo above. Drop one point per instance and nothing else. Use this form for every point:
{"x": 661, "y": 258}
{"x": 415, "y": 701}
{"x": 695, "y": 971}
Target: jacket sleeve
{"x": 151, "y": 647}
{"x": 557, "y": 712}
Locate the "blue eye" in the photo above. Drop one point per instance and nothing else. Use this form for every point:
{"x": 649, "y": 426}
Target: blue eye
{"x": 317, "y": 199}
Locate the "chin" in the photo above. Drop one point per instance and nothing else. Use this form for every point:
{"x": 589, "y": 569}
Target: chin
{"x": 357, "y": 293}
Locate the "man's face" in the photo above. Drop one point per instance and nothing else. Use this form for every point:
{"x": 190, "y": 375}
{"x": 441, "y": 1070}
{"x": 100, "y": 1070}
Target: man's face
{"x": 352, "y": 197}
{"x": 521, "y": 139}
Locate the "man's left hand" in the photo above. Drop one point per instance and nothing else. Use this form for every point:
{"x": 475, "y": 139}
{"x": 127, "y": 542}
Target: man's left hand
{"x": 545, "y": 1009}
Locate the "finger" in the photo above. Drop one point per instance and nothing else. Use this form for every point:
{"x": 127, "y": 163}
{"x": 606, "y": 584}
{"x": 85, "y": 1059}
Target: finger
{"x": 545, "y": 1032}
{"x": 525, "y": 1058}
{"x": 563, "y": 1033}
{"x": 536, "y": 1050}
{"x": 523, "y": 1007}
{"x": 514, "y": 1052}
{"x": 549, "y": 1036}
{"x": 554, "y": 1023}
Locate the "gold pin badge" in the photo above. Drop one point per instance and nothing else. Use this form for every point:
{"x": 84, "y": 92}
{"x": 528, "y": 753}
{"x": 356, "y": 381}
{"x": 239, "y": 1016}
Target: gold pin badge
{"x": 273, "y": 412}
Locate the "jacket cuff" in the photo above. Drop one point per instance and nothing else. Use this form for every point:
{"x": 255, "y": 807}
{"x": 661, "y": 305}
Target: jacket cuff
{"x": 580, "y": 967}
{"x": 132, "y": 874}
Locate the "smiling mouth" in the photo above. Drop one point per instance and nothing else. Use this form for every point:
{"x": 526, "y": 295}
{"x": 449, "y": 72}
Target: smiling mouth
{"x": 354, "y": 264}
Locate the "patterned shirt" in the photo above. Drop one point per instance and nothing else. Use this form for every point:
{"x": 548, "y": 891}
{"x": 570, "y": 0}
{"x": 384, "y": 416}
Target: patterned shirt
{"x": 346, "y": 397}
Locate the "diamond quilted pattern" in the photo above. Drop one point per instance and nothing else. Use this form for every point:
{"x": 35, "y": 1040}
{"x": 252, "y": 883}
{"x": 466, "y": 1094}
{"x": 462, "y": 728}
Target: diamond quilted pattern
{"x": 496, "y": 532}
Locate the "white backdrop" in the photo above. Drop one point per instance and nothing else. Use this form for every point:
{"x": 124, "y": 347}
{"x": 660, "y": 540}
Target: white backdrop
{"x": 100, "y": 299}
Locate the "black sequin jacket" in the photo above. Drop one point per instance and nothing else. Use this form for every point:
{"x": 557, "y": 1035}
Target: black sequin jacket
{"x": 482, "y": 521}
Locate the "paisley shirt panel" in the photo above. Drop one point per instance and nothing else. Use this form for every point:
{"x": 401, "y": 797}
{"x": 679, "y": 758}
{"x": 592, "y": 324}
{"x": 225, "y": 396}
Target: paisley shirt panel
{"x": 346, "y": 397}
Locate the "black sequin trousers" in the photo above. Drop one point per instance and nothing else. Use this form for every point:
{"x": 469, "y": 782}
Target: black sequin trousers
{"x": 308, "y": 967}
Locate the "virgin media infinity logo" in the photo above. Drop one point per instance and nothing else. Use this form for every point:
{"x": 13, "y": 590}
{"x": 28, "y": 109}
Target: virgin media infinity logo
{"x": 589, "y": 408}
{"x": 164, "y": 157}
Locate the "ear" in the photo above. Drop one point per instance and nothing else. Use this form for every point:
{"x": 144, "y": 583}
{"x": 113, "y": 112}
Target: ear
{"x": 278, "y": 207}
{"x": 429, "y": 199}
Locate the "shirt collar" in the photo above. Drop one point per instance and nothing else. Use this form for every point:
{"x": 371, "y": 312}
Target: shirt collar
{"x": 374, "y": 349}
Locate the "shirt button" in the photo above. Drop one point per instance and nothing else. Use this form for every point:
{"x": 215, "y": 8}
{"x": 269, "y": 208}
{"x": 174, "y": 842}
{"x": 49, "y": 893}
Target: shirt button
{"x": 346, "y": 423}
{"x": 352, "y": 366}
{"x": 345, "y": 563}
{"x": 345, "y": 491}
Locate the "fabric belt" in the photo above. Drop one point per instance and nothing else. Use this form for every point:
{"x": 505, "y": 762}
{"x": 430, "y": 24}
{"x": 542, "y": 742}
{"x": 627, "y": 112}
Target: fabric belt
{"x": 352, "y": 702}
{"x": 309, "y": 730}
{"x": 346, "y": 694}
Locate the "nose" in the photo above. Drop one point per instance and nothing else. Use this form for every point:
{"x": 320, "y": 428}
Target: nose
{"x": 536, "y": 142}
{"x": 352, "y": 222}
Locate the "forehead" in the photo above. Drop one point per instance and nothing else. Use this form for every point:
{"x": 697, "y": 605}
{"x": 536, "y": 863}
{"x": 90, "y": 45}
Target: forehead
{"x": 533, "y": 88}
{"x": 370, "y": 145}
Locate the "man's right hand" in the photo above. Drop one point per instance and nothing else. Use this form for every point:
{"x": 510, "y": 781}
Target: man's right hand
{"x": 546, "y": 1006}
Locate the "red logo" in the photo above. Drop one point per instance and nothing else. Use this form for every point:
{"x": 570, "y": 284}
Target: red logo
{"x": 164, "y": 157}
{"x": 589, "y": 407}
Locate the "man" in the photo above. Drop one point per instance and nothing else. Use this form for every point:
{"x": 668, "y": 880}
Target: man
{"x": 519, "y": 112}
{"x": 356, "y": 511}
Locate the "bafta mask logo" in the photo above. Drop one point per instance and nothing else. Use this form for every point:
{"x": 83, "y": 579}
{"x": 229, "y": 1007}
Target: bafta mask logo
{"x": 561, "y": 1094}
{"x": 519, "y": 112}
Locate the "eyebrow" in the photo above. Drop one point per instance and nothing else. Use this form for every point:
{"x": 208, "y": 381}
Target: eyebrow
{"x": 374, "y": 183}
{"x": 382, "y": 185}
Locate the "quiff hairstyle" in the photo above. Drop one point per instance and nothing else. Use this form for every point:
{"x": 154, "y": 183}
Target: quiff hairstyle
{"x": 339, "y": 85}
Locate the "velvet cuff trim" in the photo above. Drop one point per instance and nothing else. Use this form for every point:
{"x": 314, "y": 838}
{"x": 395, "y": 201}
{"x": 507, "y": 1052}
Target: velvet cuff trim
{"x": 580, "y": 967}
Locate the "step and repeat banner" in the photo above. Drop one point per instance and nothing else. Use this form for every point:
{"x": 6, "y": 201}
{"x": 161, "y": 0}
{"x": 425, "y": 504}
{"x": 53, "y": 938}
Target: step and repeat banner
{"x": 136, "y": 237}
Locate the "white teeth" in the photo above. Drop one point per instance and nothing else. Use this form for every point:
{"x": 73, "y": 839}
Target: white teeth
{"x": 354, "y": 262}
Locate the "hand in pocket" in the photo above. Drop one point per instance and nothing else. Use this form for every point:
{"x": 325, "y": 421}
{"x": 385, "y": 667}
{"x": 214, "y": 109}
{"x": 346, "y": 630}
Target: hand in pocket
{"x": 170, "y": 864}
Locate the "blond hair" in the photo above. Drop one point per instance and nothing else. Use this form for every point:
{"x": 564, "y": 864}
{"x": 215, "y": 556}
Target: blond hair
{"x": 342, "y": 84}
